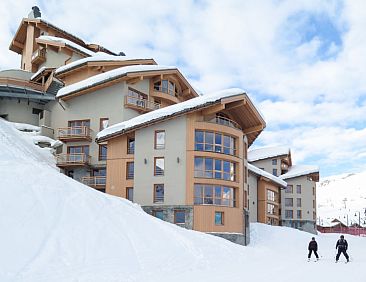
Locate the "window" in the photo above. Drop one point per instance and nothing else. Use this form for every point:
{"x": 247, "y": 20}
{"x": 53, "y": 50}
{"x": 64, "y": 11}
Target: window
{"x": 159, "y": 193}
{"x": 289, "y": 189}
{"x": 130, "y": 171}
{"x": 160, "y": 139}
{"x": 102, "y": 156}
{"x": 214, "y": 195}
{"x": 131, "y": 145}
{"x": 298, "y": 189}
{"x": 271, "y": 209}
{"x": 179, "y": 217}
{"x": 103, "y": 123}
{"x": 77, "y": 153}
{"x": 219, "y": 218}
{"x": 314, "y": 206}
{"x": 314, "y": 215}
{"x": 166, "y": 86}
{"x": 159, "y": 214}
{"x": 271, "y": 195}
{"x": 129, "y": 193}
{"x": 79, "y": 123}
{"x": 298, "y": 214}
{"x": 274, "y": 171}
{"x": 289, "y": 214}
{"x": 79, "y": 127}
{"x": 289, "y": 202}
{"x": 159, "y": 166}
{"x": 298, "y": 202}
{"x": 214, "y": 168}
{"x": 313, "y": 191}
{"x": 36, "y": 111}
{"x": 214, "y": 142}
{"x": 274, "y": 161}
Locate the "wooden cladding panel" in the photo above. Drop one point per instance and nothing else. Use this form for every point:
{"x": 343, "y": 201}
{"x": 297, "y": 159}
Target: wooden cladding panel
{"x": 204, "y": 219}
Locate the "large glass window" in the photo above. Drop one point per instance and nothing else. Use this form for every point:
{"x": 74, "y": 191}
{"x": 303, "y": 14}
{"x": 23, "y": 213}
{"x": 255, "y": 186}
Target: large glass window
{"x": 159, "y": 193}
{"x": 271, "y": 195}
{"x": 206, "y": 194}
{"x": 130, "y": 171}
{"x": 160, "y": 139}
{"x": 166, "y": 86}
{"x": 214, "y": 168}
{"x": 289, "y": 202}
{"x": 219, "y": 218}
{"x": 159, "y": 165}
{"x": 214, "y": 142}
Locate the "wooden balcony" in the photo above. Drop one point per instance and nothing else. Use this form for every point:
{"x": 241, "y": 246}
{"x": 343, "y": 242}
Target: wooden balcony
{"x": 142, "y": 105}
{"x": 73, "y": 134}
{"x": 72, "y": 160}
{"x": 164, "y": 94}
{"x": 97, "y": 182}
{"x": 21, "y": 83}
{"x": 39, "y": 56}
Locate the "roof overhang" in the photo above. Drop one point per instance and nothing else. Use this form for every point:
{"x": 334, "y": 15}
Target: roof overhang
{"x": 60, "y": 45}
{"x": 131, "y": 77}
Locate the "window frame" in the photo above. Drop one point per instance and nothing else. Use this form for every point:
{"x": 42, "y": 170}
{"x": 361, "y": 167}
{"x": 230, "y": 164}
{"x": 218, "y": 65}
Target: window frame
{"x": 156, "y": 145}
{"x": 274, "y": 161}
{"x": 289, "y": 189}
{"x": 155, "y": 166}
{"x": 298, "y": 188}
{"x": 298, "y": 202}
{"x": 100, "y": 156}
{"x": 222, "y": 221}
{"x": 175, "y": 217}
{"x": 154, "y": 213}
{"x": 289, "y": 212}
{"x": 127, "y": 193}
{"x": 205, "y": 173}
{"x": 289, "y": 200}
{"x": 131, "y": 151}
{"x": 223, "y": 149}
{"x": 155, "y": 200}
{"x": 82, "y": 121}
{"x": 101, "y": 120}
{"x": 212, "y": 198}
{"x": 128, "y": 176}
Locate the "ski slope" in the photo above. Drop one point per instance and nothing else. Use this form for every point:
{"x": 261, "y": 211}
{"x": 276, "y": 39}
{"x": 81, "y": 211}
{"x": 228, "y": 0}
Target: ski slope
{"x": 56, "y": 229}
{"x": 342, "y": 196}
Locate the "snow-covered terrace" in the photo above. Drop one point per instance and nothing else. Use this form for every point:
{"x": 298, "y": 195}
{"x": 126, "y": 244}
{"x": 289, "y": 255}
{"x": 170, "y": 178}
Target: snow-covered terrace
{"x": 265, "y": 174}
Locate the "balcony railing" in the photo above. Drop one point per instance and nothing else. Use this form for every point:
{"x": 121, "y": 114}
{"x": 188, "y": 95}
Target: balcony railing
{"x": 21, "y": 83}
{"x": 159, "y": 199}
{"x": 97, "y": 182}
{"x": 225, "y": 121}
{"x": 141, "y": 104}
{"x": 39, "y": 56}
{"x": 77, "y": 133}
{"x": 80, "y": 159}
{"x": 166, "y": 91}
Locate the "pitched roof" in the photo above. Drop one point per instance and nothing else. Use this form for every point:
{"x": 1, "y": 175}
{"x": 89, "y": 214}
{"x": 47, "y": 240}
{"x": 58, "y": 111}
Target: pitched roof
{"x": 300, "y": 170}
{"x": 266, "y": 174}
{"x": 96, "y": 57}
{"x": 109, "y": 76}
{"x": 179, "y": 109}
{"x": 68, "y": 43}
{"x": 267, "y": 152}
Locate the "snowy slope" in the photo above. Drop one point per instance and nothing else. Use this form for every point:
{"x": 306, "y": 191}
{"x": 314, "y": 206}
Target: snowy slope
{"x": 342, "y": 195}
{"x": 55, "y": 229}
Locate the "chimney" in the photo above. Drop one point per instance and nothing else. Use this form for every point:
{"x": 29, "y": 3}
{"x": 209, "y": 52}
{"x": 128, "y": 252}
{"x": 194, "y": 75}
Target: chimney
{"x": 35, "y": 13}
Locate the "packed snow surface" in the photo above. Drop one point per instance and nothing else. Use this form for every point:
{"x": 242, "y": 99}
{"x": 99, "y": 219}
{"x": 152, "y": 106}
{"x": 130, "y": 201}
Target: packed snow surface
{"x": 339, "y": 197}
{"x": 267, "y": 152}
{"x": 300, "y": 170}
{"x": 55, "y": 229}
{"x": 263, "y": 173}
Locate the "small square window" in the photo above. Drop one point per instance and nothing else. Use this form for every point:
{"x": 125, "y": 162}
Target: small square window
{"x": 219, "y": 218}
{"x": 179, "y": 217}
{"x": 159, "y": 214}
{"x": 274, "y": 161}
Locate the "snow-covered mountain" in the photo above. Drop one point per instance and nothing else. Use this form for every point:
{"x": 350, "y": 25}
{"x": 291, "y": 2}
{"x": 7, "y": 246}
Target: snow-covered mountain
{"x": 55, "y": 229}
{"x": 342, "y": 197}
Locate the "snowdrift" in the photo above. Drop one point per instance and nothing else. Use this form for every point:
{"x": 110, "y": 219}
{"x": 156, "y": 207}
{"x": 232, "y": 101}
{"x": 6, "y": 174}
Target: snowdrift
{"x": 56, "y": 229}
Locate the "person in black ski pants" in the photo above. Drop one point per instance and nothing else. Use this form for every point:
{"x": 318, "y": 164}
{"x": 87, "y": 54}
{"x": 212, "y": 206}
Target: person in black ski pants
{"x": 313, "y": 247}
{"x": 342, "y": 247}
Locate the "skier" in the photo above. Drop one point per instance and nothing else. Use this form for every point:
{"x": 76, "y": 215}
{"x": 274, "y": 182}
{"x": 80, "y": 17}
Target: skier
{"x": 342, "y": 247}
{"x": 313, "y": 247}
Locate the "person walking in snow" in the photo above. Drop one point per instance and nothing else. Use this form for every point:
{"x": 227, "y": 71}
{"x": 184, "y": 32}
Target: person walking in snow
{"x": 313, "y": 247}
{"x": 342, "y": 247}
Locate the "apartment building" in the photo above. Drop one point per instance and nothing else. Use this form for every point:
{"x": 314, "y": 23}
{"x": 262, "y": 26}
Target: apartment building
{"x": 264, "y": 201}
{"x": 186, "y": 163}
{"x": 298, "y": 200}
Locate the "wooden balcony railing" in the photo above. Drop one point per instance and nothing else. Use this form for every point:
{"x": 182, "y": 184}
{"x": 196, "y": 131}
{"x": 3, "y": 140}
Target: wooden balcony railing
{"x": 97, "y": 182}
{"x": 225, "y": 121}
{"x": 76, "y": 133}
{"x": 21, "y": 83}
{"x": 65, "y": 160}
{"x": 39, "y": 56}
{"x": 141, "y": 104}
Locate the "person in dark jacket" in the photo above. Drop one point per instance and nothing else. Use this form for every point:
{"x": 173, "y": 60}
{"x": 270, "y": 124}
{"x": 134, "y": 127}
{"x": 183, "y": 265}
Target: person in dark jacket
{"x": 342, "y": 247}
{"x": 313, "y": 247}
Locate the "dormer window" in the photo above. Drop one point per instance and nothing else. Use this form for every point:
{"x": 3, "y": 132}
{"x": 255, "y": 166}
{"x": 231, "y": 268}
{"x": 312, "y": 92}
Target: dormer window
{"x": 167, "y": 87}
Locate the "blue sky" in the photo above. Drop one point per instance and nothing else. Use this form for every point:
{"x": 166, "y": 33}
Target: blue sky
{"x": 302, "y": 62}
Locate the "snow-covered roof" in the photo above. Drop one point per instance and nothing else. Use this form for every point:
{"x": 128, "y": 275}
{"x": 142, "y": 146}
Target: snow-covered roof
{"x": 265, "y": 174}
{"x": 107, "y": 76}
{"x": 300, "y": 170}
{"x": 41, "y": 70}
{"x": 169, "y": 111}
{"x": 267, "y": 152}
{"x": 96, "y": 57}
{"x": 67, "y": 43}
